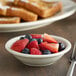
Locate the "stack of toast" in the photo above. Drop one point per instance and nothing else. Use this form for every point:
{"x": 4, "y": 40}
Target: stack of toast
{"x": 27, "y": 10}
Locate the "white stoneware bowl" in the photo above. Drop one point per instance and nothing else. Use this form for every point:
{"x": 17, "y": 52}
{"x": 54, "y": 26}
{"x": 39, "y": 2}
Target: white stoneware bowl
{"x": 38, "y": 60}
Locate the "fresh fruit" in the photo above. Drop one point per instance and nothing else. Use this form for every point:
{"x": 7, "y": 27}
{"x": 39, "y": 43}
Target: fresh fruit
{"x": 20, "y": 45}
{"x": 26, "y": 51}
{"x": 28, "y": 36}
{"x": 33, "y": 44}
{"x": 41, "y": 46}
{"x": 37, "y": 36}
{"x": 48, "y": 38}
{"x": 35, "y": 51}
{"x": 61, "y": 46}
{"x": 22, "y": 38}
{"x": 46, "y": 52}
{"x": 40, "y": 40}
{"x": 52, "y": 47}
{"x": 37, "y": 44}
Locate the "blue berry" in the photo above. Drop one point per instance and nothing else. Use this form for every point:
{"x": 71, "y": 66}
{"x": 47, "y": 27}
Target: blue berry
{"x": 22, "y": 38}
{"x": 45, "y": 52}
{"x": 33, "y": 40}
{"x": 28, "y": 36}
{"x": 40, "y": 40}
{"x": 26, "y": 51}
{"x": 61, "y": 46}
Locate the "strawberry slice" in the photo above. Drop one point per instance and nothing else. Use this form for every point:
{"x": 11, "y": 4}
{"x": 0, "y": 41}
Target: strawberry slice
{"x": 37, "y": 36}
{"x": 52, "y": 47}
{"x": 35, "y": 51}
{"x": 19, "y": 45}
{"x": 33, "y": 44}
{"x": 41, "y": 46}
{"x": 48, "y": 38}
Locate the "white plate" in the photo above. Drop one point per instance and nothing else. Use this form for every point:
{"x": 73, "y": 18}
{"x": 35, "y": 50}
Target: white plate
{"x": 69, "y": 8}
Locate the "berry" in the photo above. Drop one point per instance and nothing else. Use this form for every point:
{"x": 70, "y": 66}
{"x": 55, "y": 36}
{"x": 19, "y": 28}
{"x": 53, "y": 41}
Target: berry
{"x": 61, "y": 46}
{"x": 20, "y": 45}
{"x": 33, "y": 40}
{"x": 22, "y": 38}
{"x": 26, "y": 51}
{"x": 41, "y": 46}
{"x": 33, "y": 44}
{"x": 46, "y": 52}
{"x": 35, "y": 51}
{"x": 28, "y": 36}
{"x": 52, "y": 47}
{"x": 49, "y": 39}
{"x": 40, "y": 40}
{"x": 37, "y": 36}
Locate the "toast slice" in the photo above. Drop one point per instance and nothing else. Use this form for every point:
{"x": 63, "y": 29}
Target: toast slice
{"x": 22, "y": 13}
{"x": 40, "y": 7}
{"x": 9, "y": 20}
{"x": 18, "y": 12}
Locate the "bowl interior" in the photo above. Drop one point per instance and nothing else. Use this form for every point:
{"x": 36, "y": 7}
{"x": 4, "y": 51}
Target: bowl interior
{"x": 59, "y": 39}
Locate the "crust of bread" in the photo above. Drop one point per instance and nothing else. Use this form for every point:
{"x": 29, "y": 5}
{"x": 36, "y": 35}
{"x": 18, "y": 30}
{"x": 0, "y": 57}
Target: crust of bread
{"x": 9, "y": 20}
{"x": 3, "y": 11}
{"x": 16, "y": 1}
{"x": 56, "y": 7}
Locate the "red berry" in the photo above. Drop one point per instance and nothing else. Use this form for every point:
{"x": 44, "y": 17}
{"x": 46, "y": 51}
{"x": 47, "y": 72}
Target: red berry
{"x": 37, "y": 36}
{"x": 33, "y": 44}
{"x": 52, "y": 47}
{"x": 35, "y": 51}
{"x": 19, "y": 45}
{"x": 41, "y": 46}
{"x": 49, "y": 39}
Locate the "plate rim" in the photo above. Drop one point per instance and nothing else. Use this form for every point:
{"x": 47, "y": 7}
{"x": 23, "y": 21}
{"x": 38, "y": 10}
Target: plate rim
{"x": 53, "y": 19}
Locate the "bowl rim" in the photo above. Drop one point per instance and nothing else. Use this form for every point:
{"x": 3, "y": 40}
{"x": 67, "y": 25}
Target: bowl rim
{"x": 39, "y": 56}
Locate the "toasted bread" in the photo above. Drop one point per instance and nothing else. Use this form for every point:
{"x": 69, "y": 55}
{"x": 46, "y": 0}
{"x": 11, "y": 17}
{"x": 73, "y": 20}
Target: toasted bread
{"x": 22, "y": 13}
{"x": 42, "y": 8}
{"x": 9, "y": 20}
{"x": 18, "y": 12}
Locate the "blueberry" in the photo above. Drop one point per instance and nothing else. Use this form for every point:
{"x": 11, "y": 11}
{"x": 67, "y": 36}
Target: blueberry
{"x": 40, "y": 40}
{"x": 28, "y": 36}
{"x": 22, "y": 38}
{"x": 44, "y": 52}
{"x": 26, "y": 51}
{"x": 61, "y": 46}
{"x": 33, "y": 40}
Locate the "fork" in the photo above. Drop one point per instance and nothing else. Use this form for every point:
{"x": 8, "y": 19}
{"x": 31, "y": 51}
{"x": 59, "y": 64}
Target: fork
{"x": 73, "y": 62}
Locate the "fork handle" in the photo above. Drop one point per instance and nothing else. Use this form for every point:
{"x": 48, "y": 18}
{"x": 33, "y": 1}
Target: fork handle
{"x": 71, "y": 69}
